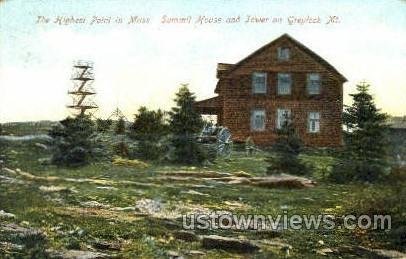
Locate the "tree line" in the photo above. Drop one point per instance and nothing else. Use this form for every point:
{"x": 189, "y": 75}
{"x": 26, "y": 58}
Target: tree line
{"x": 171, "y": 136}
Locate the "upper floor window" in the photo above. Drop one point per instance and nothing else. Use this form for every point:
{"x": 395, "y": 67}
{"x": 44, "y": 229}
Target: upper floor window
{"x": 313, "y": 83}
{"x": 314, "y": 122}
{"x": 259, "y": 83}
{"x": 283, "y": 53}
{"x": 284, "y": 83}
{"x": 283, "y": 118}
{"x": 258, "y": 120}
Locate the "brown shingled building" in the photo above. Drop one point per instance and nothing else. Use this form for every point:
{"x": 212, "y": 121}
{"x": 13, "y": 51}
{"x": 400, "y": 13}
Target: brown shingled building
{"x": 281, "y": 78}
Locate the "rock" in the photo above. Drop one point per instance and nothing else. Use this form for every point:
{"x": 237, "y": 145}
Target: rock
{"x": 192, "y": 192}
{"x": 283, "y": 180}
{"x": 196, "y": 174}
{"x": 228, "y": 243}
{"x": 10, "y": 180}
{"x": 106, "y": 245}
{"x": 8, "y": 247}
{"x": 198, "y": 186}
{"x": 186, "y": 235}
{"x": 10, "y": 171}
{"x": 242, "y": 174}
{"x": 372, "y": 253}
{"x": 239, "y": 180}
{"x": 25, "y": 223}
{"x": 6, "y": 215}
{"x": 22, "y": 232}
{"x": 107, "y": 188}
{"x": 324, "y": 251}
{"x": 236, "y": 204}
{"x": 173, "y": 254}
{"x": 276, "y": 243}
{"x": 308, "y": 199}
{"x": 76, "y": 254}
{"x": 381, "y": 253}
{"x": 94, "y": 204}
{"x": 48, "y": 189}
{"x": 42, "y": 146}
{"x": 124, "y": 208}
{"x": 195, "y": 253}
{"x": 149, "y": 206}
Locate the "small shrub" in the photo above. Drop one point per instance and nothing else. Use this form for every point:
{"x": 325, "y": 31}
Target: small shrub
{"x": 150, "y": 130}
{"x": 120, "y": 126}
{"x": 103, "y": 125}
{"x": 286, "y": 151}
{"x": 72, "y": 141}
{"x": 342, "y": 171}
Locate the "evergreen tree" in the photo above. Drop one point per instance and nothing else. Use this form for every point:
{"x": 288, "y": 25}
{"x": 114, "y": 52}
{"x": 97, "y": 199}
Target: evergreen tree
{"x": 150, "y": 130}
{"x": 72, "y": 141}
{"x": 120, "y": 126}
{"x": 286, "y": 151}
{"x": 103, "y": 125}
{"x": 364, "y": 157}
{"x": 185, "y": 123}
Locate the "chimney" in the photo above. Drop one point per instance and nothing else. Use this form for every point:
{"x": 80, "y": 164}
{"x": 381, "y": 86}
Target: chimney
{"x": 223, "y": 68}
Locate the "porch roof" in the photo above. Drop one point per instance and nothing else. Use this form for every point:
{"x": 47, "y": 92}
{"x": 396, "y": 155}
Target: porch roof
{"x": 212, "y": 105}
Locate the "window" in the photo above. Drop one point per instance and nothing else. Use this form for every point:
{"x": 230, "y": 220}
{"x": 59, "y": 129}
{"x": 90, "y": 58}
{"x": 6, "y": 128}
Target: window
{"x": 314, "y": 122}
{"x": 283, "y": 118}
{"x": 283, "y": 54}
{"x": 284, "y": 83}
{"x": 258, "y": 120}
{"x": 259, "y": 83}
{"x": 313, "y": 83}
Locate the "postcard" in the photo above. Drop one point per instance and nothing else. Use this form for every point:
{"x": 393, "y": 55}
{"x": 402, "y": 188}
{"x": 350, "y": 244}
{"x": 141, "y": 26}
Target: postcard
{"x": 202, "y": 129}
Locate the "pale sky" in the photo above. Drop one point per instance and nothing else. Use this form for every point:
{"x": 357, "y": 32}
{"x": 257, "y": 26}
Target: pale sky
{"x": 144, "y": 64}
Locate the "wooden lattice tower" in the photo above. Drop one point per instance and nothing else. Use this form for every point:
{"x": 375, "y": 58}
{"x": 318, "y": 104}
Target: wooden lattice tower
{"x": 82, "y": 91}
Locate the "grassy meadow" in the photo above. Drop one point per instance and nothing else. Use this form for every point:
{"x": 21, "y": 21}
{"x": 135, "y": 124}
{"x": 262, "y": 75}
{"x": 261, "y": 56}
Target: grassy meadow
{"x": 130, "y": 211}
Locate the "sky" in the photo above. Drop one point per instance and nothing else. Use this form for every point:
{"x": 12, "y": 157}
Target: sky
{"x": 144, "y": 64}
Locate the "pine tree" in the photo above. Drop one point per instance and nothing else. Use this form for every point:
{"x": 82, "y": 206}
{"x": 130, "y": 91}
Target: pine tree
{"x": 72, "y": 141}
{"x": 287, "y": 149}
{"x": 185, "y": 123}
{"x": 364, "y": 157}
{"x": 120, "y": 126}
{"x": 103, "y": 125}
{"x": 150, "y": 130}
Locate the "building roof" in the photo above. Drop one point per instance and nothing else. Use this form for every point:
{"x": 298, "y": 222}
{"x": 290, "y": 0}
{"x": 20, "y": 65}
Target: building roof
{"x": 305, "y": 49}
{"x": 209, "y": 106}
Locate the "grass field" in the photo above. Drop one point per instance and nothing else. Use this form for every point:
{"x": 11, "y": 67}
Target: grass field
{"x": 129, "y": 212}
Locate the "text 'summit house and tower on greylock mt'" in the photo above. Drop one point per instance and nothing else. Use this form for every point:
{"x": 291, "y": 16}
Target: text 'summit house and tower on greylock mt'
{"x": 281, "y": 79}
